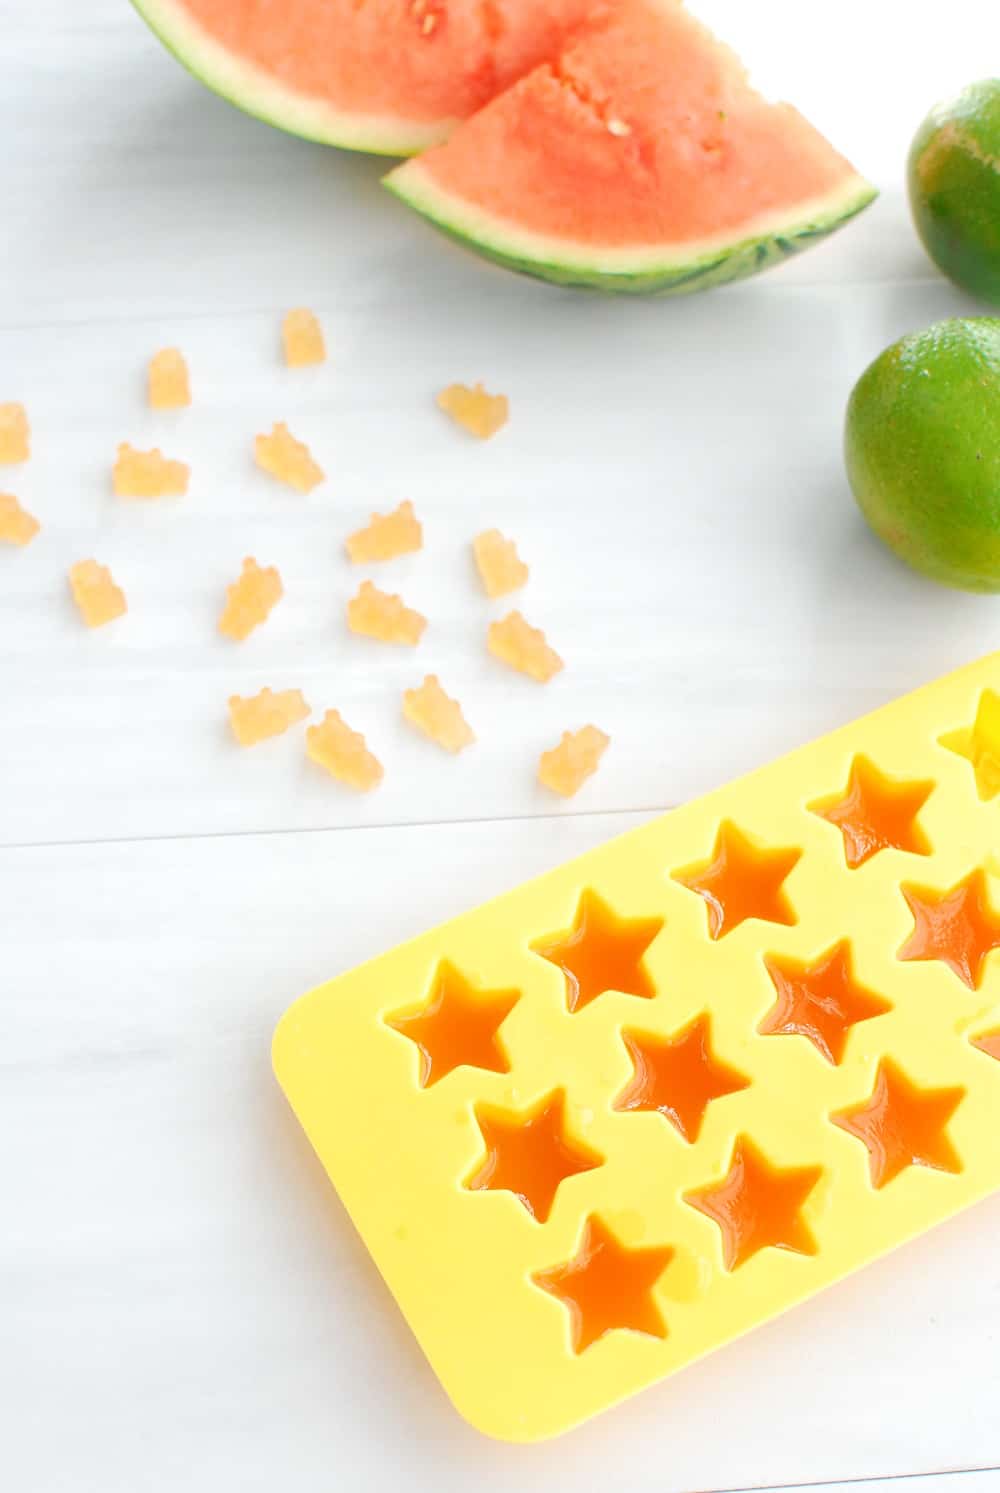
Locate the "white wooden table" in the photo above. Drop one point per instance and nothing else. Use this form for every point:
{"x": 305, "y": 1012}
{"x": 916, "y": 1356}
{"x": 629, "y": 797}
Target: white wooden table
{"x": 182, "y": 1301}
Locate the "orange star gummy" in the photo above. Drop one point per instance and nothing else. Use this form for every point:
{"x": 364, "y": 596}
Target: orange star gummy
{"x": 980, "y": 744}
{"x": 376, "y": 614}
{"x": 902, "y": 1125}
{"x": 98, "y": 598}
{"x": 16, "y": 525}
{"x": 148, "y": 474}
{"x": 438, "y": 716}
{"x": 479, "y": 413}
{"x": 875, "y": 813}
{"x": 988, "y": 1042}
{"x": 343, "y": 753}
{"x": 757, "y": 1205}
{"x": 523, "y": 648}
{"x": 959, "y": 927}
{"x": 302, "y": 338}
{"x": 677, "y": 1077}
{"x": 286, "y": 459}
{"x": 250, "y": 600}
{"x": 567, "y": 766}
{"x": 607, "y": 1286}
{"x": 388, "y": 535}
{"x": 457, "y": 1027}
{"x": 741, "y": 881}
{"x": 501, "y": 569}
{"x": 266, "y": 714}
{"x": 15, "y": 435}
{"x": 820, "y": 1001}
{"x": 529, "y": 1154}
{"x": 601, "y": 952}
{"x": 169, "y": 385}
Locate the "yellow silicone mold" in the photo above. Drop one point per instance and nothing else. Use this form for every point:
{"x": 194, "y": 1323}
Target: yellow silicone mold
{"x": 619, "y": 1116}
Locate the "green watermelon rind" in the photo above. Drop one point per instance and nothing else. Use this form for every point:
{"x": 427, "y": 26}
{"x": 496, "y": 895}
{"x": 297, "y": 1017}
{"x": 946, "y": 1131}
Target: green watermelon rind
{"x": 665, "y": 270}
{"x": 251, "y": 89}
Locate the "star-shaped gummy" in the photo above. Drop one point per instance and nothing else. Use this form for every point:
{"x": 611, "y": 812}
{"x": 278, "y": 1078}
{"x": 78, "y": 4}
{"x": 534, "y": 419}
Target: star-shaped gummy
{"x": 959, "y": 926}
{"x": 742, "y": 880}
{"x": 607, "y": 1286}
{"x": 988, "y": 1042}
{"x": 980, "y": 744}
{"x": 601, "y": 952}
{"x": 529, "y": 1154}
{"x": 457, "y": 1027}
{"x": 821, "y": 1000}
{"x": 902, "y": 1125}
{"x": 876, "y": 813}
{"x": 677, "y": 1077}
{"x": 757, "y": 1205}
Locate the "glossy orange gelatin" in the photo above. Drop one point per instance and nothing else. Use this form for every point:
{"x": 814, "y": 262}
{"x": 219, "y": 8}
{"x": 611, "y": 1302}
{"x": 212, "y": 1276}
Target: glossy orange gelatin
{"x": 16, "y": 525}
{"x": 343, "y": 753}
{"x": 148, "y": 474}
{"x": 522, "y": 647}
{"x": 677, "y": 1077}
{"x": 302, "y": 338}
{"x": 15, "y": 435}
{"x": 387, "y": 536}
{"x": 742, "y": 880}
{"x": 377, "y": 614}
{"x": 607, "y": 1286}
{"x": 500, "y": 567}
{"x": 758, "y": 1206}
{"x": 286, "y": 459}
{"x": 875, "y": 813}
{"x": 258, "y": 717}
{"x": 959, "y": 927}
{"x": 529, "y": 1154}
{"x": 601, "y": 952}
{"x": 250, "y": 600}
{"x": 97, "y": 597}
{"x": 979, "y": 744}
{"x": 988, "y": 1042}
{"x": 457, "y": 1027}
{"x": 902, "y": 1125}
{"x": 437, "y": 716}
{"x": 168, "y": 382}
{"x": 820, "y": 1000}
{"x": 567, "y": 766}
{"x": 481, "y": 414}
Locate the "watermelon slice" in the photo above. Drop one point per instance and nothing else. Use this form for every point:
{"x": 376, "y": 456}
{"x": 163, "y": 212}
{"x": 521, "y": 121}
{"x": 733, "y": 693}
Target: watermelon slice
{"x": 390, "y": 76}
{"x": 637, "y": 159}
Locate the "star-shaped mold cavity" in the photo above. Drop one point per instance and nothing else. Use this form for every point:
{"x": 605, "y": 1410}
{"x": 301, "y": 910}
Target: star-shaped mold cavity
{"x": 741, "y": 880}
{"x": 601, "y": 952}
{"x": 607, "y": 1286}
{"x": 960, "y": 927}
{"x": 988, "y": 1042}
{"x": 902, "y": 1125}
{"x": 820, "y": 1000}
{"x": 758, "y": 1205}
{"x": 677, "y": 1077}
{"x": 529, "y": 1154}
{"x": 457, "y": 1027}
{"x": 980, "y": 744}
{"x": 876, "y": 813}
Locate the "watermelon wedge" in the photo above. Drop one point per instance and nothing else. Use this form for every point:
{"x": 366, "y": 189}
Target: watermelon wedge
{"x": 389, "y": 76}
{"x": 637, "y": 159}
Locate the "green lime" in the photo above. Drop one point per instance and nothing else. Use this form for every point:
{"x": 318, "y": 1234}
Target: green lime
{"x": 922, "y": 446}
{"x": 954, "y": 181}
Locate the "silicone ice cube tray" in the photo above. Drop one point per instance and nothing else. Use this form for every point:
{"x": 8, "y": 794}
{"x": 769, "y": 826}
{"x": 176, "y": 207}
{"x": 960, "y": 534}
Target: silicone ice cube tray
{"x": 624, "y": 1113}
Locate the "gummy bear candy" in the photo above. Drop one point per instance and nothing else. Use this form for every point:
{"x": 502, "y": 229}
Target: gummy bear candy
{"x": 15, "y": 434}
{"x": 282, "y": 456}
{"x": 437, "y": 716}
{"x": 250, "y": 600}
{"x": 376, "y": 614}
{"x": 258, "y": 717}
{"x": 169, "y": 384}
{"x": 95, "y": 593}
{"x": 500, "y": 567}
{"x": 148, "y": 474}
{"x": 16, "y": 526}
{"x": 523, "y": 647}
{"x": 567, "y": 767}
{"x": 479, "y": 413}
{"x": 302, "y": 337}
{"x": 388, "y": 535}
{"x": 343, "y": 753}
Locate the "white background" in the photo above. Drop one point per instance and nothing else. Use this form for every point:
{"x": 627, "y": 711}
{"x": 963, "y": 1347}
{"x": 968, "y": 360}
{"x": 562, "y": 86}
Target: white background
{"x": 182, "y": 1302}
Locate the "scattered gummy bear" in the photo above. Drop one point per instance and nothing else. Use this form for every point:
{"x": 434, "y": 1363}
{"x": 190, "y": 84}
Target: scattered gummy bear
{"x": 343, "y": 753}
{"x": 258, "y": 717}
{"x": 250, "y": 600}
{"x": 95, "y": 593}
{"x": 376, "y": 614}
{"x": 387, "y": 536}
{"x": 282, "y": 456}
{"x": 437, "y": 715}
{"x": 148, "y": 474}
{"x": 523, "y": 647}
{"x": 567, "y": 767}
{"x": 15, "y": 435}
{"x": 500, "y": 567}
{"x": 479, "y": 413}
{"x": 302, "y": 337}
{"x": 169, "y": 384}
{"x": 16, "y": 526}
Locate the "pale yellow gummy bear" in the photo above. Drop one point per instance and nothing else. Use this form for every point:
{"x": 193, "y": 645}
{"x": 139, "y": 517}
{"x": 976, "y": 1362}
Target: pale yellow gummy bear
{"x": 438, "y": 716}
{"x": 376, "y": 614}
{"x": 501, "y": 569}
{"x": 288, "y": 460}
{"x": 302, "y": 337}
{"x": 95, "y": 593}
{"x": 15, "y": 434}
{"x": 388, "y": 535}
{"x": 343, "y": 753}
{"x": 523, "y": 647}
{"x": 479, "y": 413}
{"x": 258, "y": 717}
{"x": 250, "y": 600}
{"x": 169, "y": 383}
{"x": 16, "y": 525}
{"x": 567, "y": 767}
{"x": 148, "y": 474}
